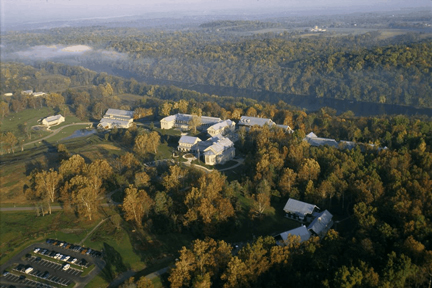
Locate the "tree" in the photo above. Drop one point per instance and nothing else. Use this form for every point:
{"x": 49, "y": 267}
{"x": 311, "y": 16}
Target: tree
{"x": 47, "y": 183}
{"x": 154, "y": 140}
{"x": 194, "y": 122}
{"x": 201, "y": 264}
{"x": 54, "y": 100}
{"x": 144, "y": 282}
{"x": 132, "y": 206}
{"x": 86, "y": 194}
{"x": 4, "y": 109}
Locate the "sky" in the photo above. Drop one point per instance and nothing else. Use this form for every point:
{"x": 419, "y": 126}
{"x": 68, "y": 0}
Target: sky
{"x": 27, "y": 11}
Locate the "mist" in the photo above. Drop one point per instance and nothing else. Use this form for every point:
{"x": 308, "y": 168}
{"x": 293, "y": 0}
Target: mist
{"x": 15, "y": 13}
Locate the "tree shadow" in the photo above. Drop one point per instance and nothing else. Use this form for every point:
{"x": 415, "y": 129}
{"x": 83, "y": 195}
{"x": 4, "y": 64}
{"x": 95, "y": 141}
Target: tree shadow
{"x": 114, "y": 263}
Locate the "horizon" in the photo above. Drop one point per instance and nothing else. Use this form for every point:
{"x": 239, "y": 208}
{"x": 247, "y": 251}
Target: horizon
{"x": 15, "y": 13}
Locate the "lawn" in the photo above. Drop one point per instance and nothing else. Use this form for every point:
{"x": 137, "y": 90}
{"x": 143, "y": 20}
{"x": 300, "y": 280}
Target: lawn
{"x": 20, "y": 229}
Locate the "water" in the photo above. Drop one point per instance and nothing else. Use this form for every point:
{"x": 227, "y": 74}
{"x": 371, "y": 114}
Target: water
{"x": 81, "y": 133}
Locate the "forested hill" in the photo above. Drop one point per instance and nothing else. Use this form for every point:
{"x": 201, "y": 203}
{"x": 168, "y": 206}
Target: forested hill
{"x": 368, "y": 67}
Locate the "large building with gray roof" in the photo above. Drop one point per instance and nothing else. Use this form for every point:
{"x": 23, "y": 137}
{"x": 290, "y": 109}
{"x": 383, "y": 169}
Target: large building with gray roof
{"x": 116, "y": 118}
{"x": 183, "y": 121}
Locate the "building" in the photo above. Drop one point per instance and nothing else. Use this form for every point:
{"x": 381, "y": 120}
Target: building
{"x": 53, "y": 120}
{"x": 183, "y": 121}
{"x": 300, "y": 211}
{"x": 316, "y": 141}
{"x": 116, "y": 118}
{"x": 38, "y": 94}
{"x": 27, "y": 92}
{"x": 188, "y": 144}
{"x": 221, "y": 151}
{"x": 216, "y": 149}
{"x": 321, "y": 224}
{"x": 222, "y": 128}
{"x": 301, "y": 232}
{"x": 248, "y": 121}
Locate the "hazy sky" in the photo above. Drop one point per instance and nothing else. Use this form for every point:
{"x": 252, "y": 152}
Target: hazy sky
{"x": 13, "y": 11}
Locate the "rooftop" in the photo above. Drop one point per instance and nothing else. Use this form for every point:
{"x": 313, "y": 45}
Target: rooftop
{"x": 53, "y": 118}
{"x": 221, "y": 125}
{"x": 321, "y": 223}
{"x": 189, "y": 139}
{"x": 251, "y": 121}
{"x": 299, "y": 207}
{"x": 301, "y": 231}
{"x": 118, "y": 112}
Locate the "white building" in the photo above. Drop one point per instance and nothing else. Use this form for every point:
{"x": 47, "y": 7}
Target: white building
{"x": 314, "y": 140}
{"x": 248, "y": 121}
{"x": 116, "y": 118}
{"x": 27, "y": 92}
{"x": 301, "y": 232}
{"x": 222, "y": 128}
{"x": 298, "y": 210}
{"x": 188, "y": 144}
{"x": 320, "y": 222}
{"x": 221, "y": 151}
{"x": 53, "y": 120}
{"x": 182, "y": 121}
{"x": 216, "y": 150}
{"x": 38, "y": 94}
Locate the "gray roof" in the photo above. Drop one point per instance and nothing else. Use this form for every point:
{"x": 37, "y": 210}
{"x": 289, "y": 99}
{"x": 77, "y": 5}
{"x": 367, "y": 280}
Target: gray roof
{"x": 113, "y": 122}
{"x": 301, "y": 231}
{"x": 169, "y": 118}
{"x": 285, "y": 127}
{"x": 347, "y": 144}
{"x": 188, "y": 139}
{"x": 205, "y": 120}
{"x": 53, "y": 118}
{"x": 183, "y": 117}
{"x": 121, "y": 113}
{"x": 298, "y": 207}
{"x": 220, "y": 125}
{"x": 322, "y": 223}
{"x": 251, "y": 121}
{"x": 219, "y": 146}
{"x": 313, "y": 140}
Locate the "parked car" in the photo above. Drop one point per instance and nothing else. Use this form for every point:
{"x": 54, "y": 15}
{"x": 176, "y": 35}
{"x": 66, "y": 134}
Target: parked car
{"x": 74, "y": 260}
{"x": 45, "y": 275}
{"x": 36, "y": 250}
{"x": 28, "y": 270}
{"x": 66, "y": 257}
{"x": 52, "y": 254}
{"x": 5, "y": 273}
{"x": 66, "y": 266}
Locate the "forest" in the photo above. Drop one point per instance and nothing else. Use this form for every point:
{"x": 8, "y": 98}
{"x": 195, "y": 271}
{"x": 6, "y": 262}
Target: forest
{"x": 368, "y": 66}
{"x": 381, "y": 199}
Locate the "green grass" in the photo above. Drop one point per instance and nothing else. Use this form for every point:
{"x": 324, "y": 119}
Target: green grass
{"x": 66, "y": 132}
{"x": 20, "y": 229}
{"x": 29, "y": 116}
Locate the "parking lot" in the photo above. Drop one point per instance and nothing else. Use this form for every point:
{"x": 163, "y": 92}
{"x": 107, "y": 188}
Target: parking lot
{"x": 51, "y": 265}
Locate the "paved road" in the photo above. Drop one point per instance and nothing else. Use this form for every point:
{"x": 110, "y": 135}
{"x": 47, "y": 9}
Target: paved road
{"x": 31, "y": 208}
{"x": 57, "y": 131}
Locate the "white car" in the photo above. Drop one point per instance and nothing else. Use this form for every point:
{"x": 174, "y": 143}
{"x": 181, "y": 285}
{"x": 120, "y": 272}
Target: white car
{"x": 28, "y": 270}
{"x": 36, "y": 250}
{"x": 74, "y": 260}
{"x": 66, "y": 258}
{"x": 66, "y": 267}
{"x": 58, "y": 256}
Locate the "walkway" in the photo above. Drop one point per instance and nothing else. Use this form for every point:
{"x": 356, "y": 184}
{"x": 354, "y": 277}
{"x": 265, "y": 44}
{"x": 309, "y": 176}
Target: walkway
{"x": 56, "y": 132}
